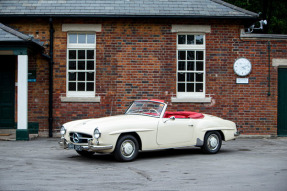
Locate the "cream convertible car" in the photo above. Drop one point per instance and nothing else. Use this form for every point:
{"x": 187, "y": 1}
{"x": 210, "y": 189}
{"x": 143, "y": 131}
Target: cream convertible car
{"x": 146, "y": 125}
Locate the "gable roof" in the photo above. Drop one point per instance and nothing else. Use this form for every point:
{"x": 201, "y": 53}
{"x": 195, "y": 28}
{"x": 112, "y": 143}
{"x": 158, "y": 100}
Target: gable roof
{"x": 124, "y": 8}
{"x": 8, "y": 34}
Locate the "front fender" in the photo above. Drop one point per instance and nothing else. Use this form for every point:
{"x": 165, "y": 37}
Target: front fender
{"x": 147, "y": 137}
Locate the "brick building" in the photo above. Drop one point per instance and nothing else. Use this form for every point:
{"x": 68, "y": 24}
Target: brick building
{"x": 87, "y": 59}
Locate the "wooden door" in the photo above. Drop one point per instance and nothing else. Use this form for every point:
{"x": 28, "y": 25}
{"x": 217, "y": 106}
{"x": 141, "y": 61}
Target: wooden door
{"x": 282, "y": 102}
{"x": 7, "y": 92}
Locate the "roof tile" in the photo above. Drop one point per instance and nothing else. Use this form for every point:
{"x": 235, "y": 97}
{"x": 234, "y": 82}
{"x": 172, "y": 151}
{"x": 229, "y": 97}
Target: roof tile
{"x": 213, "y": 8}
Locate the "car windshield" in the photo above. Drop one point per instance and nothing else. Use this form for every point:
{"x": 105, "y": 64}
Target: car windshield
{"x": 150, "y": 108}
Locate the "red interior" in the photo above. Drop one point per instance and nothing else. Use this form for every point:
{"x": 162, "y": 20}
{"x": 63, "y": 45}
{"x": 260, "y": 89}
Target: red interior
{"x": 183, "y": 114}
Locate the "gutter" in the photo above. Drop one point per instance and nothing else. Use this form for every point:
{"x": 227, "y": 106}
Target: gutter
{"x": 51, "y": 63}
{"x": 254, "y": 36}
{"x": 269, "y": 72}
{"x": 253, "y": 17}
{"x": 50, "y": 58}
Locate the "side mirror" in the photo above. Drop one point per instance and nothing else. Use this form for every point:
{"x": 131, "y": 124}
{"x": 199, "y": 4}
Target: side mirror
{"x": 172, "y": 118}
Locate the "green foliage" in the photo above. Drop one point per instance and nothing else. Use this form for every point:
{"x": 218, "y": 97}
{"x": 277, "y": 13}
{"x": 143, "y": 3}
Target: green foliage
{"x": 274, "y": 11}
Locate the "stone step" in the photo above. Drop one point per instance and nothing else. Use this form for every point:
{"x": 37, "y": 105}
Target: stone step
{"x": 10, "y": 135}
{"x": 7, "y": 134}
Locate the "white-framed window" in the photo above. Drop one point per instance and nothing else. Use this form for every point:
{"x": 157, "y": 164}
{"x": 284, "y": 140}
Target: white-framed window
{"x": 81, "y": 64}
{"x": 190, "y": 65}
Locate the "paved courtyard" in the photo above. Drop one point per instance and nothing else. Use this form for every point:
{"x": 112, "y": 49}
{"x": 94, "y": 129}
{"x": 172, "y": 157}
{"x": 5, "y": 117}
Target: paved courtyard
{"x": 244, "y": 164}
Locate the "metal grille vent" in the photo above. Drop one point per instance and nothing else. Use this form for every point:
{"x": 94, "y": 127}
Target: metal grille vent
{"x": 79, "y": 137}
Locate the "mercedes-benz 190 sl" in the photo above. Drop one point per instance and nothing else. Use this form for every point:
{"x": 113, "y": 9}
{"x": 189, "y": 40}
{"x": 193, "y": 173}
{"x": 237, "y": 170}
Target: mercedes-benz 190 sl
{"x": 146, "y": 125}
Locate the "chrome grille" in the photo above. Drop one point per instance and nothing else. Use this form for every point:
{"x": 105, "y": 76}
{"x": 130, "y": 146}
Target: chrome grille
{"x": 79, "y": 137}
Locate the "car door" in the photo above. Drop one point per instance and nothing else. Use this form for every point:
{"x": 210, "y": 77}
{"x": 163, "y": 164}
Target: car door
{"x": 175, "y": 132}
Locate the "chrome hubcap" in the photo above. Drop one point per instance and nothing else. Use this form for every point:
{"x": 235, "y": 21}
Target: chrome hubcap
{"x": 213, "y": 142}
{"x": 127, "y": 148}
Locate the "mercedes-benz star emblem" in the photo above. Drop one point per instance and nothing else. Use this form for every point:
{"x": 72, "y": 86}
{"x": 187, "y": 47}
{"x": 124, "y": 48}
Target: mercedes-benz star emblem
{"x": 76, "y": 137}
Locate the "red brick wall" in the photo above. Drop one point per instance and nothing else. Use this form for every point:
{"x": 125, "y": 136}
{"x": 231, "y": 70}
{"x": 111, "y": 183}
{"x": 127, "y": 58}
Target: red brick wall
{"x": 136, "y": 59}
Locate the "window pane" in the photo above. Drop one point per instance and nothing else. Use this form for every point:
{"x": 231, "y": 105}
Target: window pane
{"x": 190, "y": 66}
{"x": 81, "y": 76}
{"x": 72, "y": 54}
{"x": 190, "y": 77}
{"x": 90, "y": 38}
{"x": 181, "y": 87}
{"x": 72, "y": 65}
{"x": 190, "y": 87}
{"x": 199, "y": 66}
{"x": 199, "y": 55}
{"x": 72, "y": 38}
{"x": 81, "y": 86}
{"x": 199, "y": 87}
{"x": 72, "y": 86}
{"x": 190, "y": 39}
{"x": 90, "y": 65}
{"x": 81, "y": 54}
{"x": 181, "y": 77}
{"x": 72, "y": 76}
{"x": 181, "y": 55}
{"x": 181, "y": 39}
{"x": 82, "y": 38}
{"x": 90, "y": 54}
{"x": 199, "y": 39}
{"x": 90, "y": 76}
{"x": 181, "y": 65}
{"x": 190, "y": 55}
{"x": 90, "y": 86}
{"x": 81, "y": 65}
{"x": 199, "y": 77}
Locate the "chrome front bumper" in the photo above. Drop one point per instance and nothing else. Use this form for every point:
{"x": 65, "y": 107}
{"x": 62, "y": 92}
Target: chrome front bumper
{"x": 89, "y": 147}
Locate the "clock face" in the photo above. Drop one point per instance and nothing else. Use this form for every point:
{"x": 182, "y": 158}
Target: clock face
{"x": 242, "y": 67}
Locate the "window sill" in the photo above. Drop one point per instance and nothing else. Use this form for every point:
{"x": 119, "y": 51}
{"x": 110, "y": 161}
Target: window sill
{"x": 191, "y": 100}
{"x": 96, "y": 99}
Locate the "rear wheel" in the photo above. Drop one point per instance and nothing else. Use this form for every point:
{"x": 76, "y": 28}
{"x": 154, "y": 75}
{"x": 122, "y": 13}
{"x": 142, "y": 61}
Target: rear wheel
{"x": 127, "y": 148}
{"x": 212, "y": 142}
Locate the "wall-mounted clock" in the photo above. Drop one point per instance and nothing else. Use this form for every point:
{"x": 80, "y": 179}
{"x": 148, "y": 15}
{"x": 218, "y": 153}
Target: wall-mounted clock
{"x": 242, "y": 67}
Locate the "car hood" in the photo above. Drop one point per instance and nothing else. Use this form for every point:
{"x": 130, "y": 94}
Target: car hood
{"x": 110, "y": 124}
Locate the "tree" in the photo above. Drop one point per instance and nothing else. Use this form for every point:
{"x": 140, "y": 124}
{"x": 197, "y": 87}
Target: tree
{"x": 274, "y": 11}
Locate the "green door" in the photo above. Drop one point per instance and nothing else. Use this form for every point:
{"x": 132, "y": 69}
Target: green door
{"x": 282, "y": 102}
{"x": 7, "y": 91}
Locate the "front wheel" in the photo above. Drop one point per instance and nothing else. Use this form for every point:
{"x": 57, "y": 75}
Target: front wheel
{"x": 212, "y": 142}
{"x": 127, "y": 148}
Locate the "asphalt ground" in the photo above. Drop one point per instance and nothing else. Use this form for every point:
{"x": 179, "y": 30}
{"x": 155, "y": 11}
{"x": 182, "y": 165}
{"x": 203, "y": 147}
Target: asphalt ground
{"x": 244, "y": 164}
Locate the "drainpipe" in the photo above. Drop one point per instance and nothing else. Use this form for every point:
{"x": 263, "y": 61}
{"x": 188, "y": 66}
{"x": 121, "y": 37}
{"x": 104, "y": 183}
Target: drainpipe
{"x": 269, "y": 72}
{"x": 51, "y": 63}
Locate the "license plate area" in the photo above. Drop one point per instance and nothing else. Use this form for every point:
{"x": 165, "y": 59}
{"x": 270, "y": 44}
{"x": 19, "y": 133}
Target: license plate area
{"x": 75, "y": 147}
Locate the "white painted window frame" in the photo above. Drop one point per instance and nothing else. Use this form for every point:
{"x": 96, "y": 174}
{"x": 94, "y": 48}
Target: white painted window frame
{"x": 192, "y": 47}
{"x": 77, "y": 46}
{"x": 193, "y": 30}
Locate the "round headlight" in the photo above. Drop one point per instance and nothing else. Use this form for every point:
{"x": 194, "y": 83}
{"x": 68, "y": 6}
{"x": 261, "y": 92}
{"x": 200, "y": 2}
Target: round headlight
{"x": 97, "y": 133}
{"x": 63, "y": 130}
